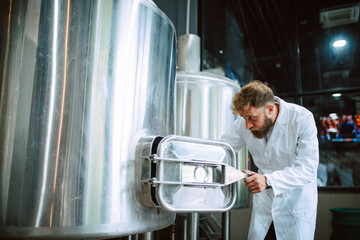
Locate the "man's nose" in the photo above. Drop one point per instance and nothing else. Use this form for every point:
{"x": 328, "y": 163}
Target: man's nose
{"x": 248, "y": 124}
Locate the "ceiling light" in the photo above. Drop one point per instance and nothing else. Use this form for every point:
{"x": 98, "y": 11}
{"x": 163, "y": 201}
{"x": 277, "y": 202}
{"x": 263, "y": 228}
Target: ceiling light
{"x": 336, "y": 95}
{"x": 339, "y": 43}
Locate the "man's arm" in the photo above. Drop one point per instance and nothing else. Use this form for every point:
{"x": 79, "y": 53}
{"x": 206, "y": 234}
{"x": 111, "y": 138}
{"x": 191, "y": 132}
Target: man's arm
{"x": 306, "y": 160}
{"x": 234, "y": 136}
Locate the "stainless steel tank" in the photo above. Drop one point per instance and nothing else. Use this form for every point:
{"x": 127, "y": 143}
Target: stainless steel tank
{"x": 203, "y": 103}
{"x": 82, "y": 83}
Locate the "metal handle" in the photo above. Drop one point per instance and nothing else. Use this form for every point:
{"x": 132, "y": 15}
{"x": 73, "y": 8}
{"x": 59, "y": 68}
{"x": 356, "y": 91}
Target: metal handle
{"x": 195, "y": 161}
{"x": 204, "y": 172}
{"x": 154, "y": 181}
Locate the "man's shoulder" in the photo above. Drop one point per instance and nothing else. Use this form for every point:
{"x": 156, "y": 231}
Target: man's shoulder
{"x": 297, "y": 115}
{"x": 295, "y": 109}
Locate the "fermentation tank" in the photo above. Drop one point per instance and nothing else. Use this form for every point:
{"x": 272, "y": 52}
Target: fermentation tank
{"x": 83, "y": 82}
{"x": 87, "y": 142}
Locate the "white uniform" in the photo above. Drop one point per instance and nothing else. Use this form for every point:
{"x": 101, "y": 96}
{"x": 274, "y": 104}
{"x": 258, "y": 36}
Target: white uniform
{"x": 289, "y": 160}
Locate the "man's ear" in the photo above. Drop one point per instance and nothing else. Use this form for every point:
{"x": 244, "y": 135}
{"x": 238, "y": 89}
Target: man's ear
{"x": 270, "y": 108}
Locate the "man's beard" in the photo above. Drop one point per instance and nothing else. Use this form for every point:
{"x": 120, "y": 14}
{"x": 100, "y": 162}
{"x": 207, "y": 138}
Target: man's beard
{"x": 264, "y": 130}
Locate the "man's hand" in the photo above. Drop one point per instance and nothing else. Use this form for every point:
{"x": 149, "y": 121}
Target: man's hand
{"x": 256, "y": 182}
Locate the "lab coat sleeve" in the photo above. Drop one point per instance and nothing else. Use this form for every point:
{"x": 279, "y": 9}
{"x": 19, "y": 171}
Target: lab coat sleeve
{"x": 304, "y": 169}
{"x": 234, "y": 136}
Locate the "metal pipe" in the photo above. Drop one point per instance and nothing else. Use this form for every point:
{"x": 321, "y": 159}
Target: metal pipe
{"x": 193, "y": 226}
{"x": 225, "y": 225}
{"x": 185, "y": 228}
{"x": 146, "y": 236}
{"x": 297, "y": 60}
{"x": 189, "y": 53}
{"x": 187, "y": 16}
{"x": 320, "y": 92}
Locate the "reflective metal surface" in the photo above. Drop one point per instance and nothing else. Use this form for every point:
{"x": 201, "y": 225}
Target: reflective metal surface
{"x": 82, "y": 83}
{"x": 191, "y": 175}
{"x": 186, "y": 174}
{"x": 189, "y": 53}
{"x": 203, "y": 103}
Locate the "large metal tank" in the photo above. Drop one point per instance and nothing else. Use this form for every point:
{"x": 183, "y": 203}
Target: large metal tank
{"x": 82, "y": 83}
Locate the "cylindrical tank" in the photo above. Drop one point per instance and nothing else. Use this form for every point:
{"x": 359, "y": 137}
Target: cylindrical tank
{"x": 82, "y": 82}
{"x": 203, "y": 103}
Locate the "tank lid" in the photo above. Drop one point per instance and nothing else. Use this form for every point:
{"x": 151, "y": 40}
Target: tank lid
{"x": 205, "y": 76}
{"x": 194, "y": 175}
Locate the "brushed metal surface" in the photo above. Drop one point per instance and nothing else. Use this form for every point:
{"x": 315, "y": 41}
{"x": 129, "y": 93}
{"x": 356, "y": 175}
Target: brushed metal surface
{"x": 83, "y": 81}
{"x": 189, "y": 58}
{"x": 191, "y": 175}
{"x": 203, "y": 103}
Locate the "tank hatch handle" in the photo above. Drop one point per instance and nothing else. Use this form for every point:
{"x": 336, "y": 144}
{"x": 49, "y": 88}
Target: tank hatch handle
{"x": 195, "y": 172}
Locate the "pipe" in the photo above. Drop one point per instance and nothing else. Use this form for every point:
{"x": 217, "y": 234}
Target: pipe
{"x": 189, "y": 53}
{"x": 187, "y": 17}
{"x": 146, "y": 236}
{"x": 225, "y": 226}
{"x": 185, "y": 228}
{"x": 193, "y": 225}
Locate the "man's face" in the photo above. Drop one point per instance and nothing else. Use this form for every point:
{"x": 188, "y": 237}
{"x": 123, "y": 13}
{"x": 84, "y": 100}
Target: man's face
{"x": 257, "y": 121}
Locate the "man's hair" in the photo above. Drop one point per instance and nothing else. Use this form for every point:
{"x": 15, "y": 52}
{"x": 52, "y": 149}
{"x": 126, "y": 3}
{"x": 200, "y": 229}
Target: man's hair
{"x": 254, "y": 94}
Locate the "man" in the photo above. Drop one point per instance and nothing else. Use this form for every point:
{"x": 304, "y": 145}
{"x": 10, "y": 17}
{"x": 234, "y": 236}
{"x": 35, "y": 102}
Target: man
{"x": 282, "y": 139}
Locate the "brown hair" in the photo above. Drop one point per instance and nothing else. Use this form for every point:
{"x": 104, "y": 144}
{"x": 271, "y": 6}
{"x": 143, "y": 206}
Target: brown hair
{"x": 254, "y": 94}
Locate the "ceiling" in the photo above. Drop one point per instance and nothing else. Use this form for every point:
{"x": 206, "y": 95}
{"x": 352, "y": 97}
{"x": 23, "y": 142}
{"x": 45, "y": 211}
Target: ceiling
{"x": 287, "y": 44}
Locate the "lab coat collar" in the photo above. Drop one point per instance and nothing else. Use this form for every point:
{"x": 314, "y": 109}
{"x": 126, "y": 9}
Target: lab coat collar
{"x": 280, "y": 123}
{"x": 283, "y": 116}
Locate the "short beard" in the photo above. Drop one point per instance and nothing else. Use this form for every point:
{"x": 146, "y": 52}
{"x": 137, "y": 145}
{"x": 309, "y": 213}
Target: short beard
{"x": 264, "y": 130}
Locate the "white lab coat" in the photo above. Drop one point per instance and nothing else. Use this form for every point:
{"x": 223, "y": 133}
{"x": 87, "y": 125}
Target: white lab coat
{"x": 289, "y": 160}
